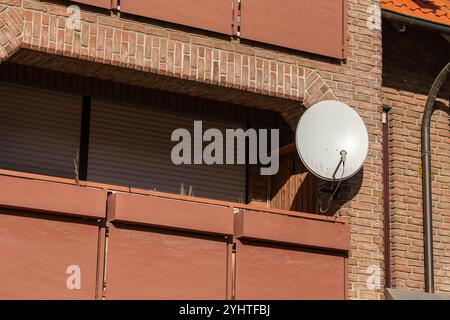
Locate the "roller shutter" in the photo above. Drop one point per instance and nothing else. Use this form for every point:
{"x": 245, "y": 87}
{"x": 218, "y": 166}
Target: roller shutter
{"x": 39, "y": 130}
{"x": 131, "y": 146}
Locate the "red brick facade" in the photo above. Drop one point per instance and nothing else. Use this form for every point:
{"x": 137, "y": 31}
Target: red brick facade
{"x": 122, "y": 49}
{"x": 409, "y": 69}
{"x": 11, "y": 28}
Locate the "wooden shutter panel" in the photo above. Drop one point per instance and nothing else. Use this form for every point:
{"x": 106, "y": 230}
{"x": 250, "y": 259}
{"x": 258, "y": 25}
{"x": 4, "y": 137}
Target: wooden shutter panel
{"x": 210, "y": 15}
{"x": 96, "y": 3}
{"x": 316, "y": 26}
{"x": 39, "y": 130}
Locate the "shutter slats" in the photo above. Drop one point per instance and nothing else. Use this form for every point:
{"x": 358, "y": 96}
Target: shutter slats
{"x": 131, "y": 146}
{"x": 39, "y": 130}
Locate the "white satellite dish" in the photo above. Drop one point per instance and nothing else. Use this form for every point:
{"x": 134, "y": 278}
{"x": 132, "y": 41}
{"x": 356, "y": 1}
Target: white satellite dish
{"x": 332, "y": 140}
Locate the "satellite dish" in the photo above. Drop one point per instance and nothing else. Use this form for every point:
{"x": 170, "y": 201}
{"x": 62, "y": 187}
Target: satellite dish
{"x": 332, "y": 140}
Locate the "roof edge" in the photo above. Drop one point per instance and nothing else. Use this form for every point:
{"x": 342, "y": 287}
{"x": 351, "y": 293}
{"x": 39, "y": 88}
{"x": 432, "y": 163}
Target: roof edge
{"x": 414, "y": 21}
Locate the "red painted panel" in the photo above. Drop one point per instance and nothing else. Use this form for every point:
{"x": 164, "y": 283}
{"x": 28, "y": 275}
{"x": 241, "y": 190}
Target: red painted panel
{"x": 36, "y": 252}
{"x": 280, "y": 272}
{"x": 170, "y": 213}
{"x": 316, "y": 26}
{"x": 157, "y": 264}
{"x": 97, "y": 3}
{"x": 204, "y": 14}
{"x": 292, "y": 230}
{"x": 51, "y": 197}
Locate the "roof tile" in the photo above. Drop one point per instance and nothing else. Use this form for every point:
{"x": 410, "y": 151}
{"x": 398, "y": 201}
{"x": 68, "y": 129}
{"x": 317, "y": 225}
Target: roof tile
{"x": 432, "y": 10}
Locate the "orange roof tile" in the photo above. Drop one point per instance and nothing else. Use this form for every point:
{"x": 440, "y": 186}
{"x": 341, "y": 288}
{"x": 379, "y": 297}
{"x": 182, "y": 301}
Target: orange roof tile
{"x": 432, "y": 10}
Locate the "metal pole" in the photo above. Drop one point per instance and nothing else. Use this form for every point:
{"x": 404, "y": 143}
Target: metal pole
{"x": 386, "y": 201}
{"x": 426, "y": 179}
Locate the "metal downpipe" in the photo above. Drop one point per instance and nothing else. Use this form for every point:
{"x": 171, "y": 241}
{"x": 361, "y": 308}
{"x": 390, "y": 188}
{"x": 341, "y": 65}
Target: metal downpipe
{"x": 426, "y": 179}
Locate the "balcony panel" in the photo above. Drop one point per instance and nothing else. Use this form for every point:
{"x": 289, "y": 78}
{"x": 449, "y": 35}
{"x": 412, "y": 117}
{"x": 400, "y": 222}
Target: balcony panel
{"x": 272, "y": 271}
{"x": 42, "y": 257}
{"x": 287, "y": 257}
{"x": 170, "y": 213}
{"x": 50, "y": 197}
{"x": 148, "y": 263}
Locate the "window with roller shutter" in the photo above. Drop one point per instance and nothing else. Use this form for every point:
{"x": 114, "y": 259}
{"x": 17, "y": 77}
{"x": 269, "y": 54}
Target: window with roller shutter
{"x": 39, "y": 130}
{"x": 131, "y": 145}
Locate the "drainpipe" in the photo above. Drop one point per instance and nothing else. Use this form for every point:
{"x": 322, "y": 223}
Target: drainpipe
{"x": 386, "y": 200}
{"x": 426, "y": 179}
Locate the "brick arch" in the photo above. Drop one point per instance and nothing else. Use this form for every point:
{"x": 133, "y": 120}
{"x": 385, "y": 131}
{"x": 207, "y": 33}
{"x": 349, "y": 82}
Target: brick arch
{"x": 108, "y": 39}
{"x": 11, "y": 29}
{"x": 219, "y": 68}
{"x": 41, "y": 27}
{"x": 315, "y": 90}
{"x": 234, "y": 72}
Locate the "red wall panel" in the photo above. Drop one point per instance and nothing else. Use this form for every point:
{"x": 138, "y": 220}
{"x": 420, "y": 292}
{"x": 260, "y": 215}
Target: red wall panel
{"x": 272, "y": 271}
{"x": 316, "y": 26}
{"x": 204, "y": 14}
{"x": 159, "y": 264}
{"x": 50, "y": 197}
{"x": 170, "y": 213}
{"x": 298, "y": 231}
{"x": 290, "y": 257}
{"x": 35, "y": 253}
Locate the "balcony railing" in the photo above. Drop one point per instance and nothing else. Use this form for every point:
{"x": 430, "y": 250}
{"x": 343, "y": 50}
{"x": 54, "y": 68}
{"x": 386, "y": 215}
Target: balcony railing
{"x": 160, "y": 245}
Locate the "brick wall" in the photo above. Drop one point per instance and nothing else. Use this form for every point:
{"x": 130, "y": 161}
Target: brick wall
{"x": 148, "y": 54}
{"x": 411, "y": 61}
{"x": 11, "y": 26}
